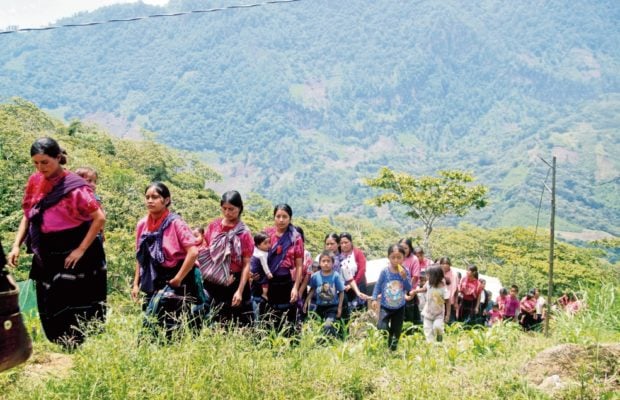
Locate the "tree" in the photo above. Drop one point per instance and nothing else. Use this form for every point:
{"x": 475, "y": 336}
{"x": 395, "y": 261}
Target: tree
{"x": 428, "y": 198}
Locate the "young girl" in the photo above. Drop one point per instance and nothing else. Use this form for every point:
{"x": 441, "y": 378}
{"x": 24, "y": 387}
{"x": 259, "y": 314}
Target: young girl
{"x": 328, "y": 287}
{"x": 511, "y": 307}
{"x": 528, "y": 310}
{"x": 501, "y": 300}
{"x": 437, "y": 307}
{"x": 393, "y": 283}
{"x": 494, "y": 315}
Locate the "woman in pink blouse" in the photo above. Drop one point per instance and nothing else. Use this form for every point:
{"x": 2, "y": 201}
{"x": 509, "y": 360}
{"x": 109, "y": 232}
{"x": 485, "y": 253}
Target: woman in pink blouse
{"x": 470, "y": 289}
{"x": 60, "y": 225}
{"x": 166, "y": 253}
{"x": 285, "y": 261}
{"x": 412, "y": 265}
{"x": 231, "y": 235}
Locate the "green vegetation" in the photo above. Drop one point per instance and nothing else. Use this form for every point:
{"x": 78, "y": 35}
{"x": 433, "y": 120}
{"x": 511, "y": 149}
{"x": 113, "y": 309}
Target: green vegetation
{"x": 515, "y": 255}
{"x": 236, "y": 363}
{"x": 429, "y": 198}
{"x": 300, "y": 101}
{"x": 240, "y": 364}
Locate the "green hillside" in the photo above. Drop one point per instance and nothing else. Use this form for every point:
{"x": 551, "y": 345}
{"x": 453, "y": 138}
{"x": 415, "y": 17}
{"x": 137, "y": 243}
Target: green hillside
{"x": 297, "y": 102}
{"x": 515, "y": 255}
{"x": 225, "y": 363}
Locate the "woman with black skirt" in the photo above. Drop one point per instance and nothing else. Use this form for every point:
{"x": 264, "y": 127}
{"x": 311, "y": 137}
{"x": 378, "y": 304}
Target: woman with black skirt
{"x": 61, "y": 222}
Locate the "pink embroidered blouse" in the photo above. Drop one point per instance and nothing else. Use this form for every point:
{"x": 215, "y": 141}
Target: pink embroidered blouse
{"x": 71, "y": 211}
{"x": 176, "y": 238}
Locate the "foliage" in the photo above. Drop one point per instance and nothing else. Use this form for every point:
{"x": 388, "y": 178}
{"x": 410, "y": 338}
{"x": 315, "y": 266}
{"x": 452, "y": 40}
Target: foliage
{"x": 243, "y": 363}
{"x": 237, "y": 363}
{"x": 596, "y": 321}
{"x": 124, "y": 168}
{"x": 520, "y": 256}
{"x": 300, "y": 101}
{"x": 428, "y": 198}
{"x": 515, "y": 255}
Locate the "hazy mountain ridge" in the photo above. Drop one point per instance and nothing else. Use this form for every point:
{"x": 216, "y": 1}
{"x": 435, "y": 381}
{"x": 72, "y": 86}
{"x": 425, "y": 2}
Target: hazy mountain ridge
{"x": 299, "y": 101}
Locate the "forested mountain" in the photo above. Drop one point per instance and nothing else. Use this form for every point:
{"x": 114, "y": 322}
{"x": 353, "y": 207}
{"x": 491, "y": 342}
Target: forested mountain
{"x": 299, "y": 101}
{"x": 515, "y": 255}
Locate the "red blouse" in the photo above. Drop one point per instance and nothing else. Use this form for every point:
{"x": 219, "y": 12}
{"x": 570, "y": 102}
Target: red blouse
{"x": 71, "y": 211}
{"x": 247, "y": 243}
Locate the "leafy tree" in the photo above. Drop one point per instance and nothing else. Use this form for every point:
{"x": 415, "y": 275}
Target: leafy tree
{"x": 428, "y": 198}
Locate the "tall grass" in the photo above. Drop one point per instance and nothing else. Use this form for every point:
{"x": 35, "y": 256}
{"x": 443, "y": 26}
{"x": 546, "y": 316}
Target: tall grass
{"x": 237, "y": 363}
{"x": 598, "y": 322}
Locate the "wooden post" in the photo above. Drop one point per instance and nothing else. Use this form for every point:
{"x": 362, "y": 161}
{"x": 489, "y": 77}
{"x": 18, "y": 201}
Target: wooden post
{"x": 551, "y": 248}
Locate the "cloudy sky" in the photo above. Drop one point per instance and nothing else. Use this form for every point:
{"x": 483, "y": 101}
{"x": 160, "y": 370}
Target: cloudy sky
{"x": 36, "y": 13}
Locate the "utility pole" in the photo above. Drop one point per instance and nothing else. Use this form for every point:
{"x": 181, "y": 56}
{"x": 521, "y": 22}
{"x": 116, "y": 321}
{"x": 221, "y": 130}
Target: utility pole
{"x": 551, "y": 244}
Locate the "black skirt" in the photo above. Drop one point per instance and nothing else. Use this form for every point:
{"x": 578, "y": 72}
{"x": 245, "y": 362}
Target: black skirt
{"x": 69, "y": 299}
{"x": 221, "y": 302}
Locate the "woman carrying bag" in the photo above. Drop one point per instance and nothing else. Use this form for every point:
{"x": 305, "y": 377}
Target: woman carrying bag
{"x": 61, "y": 222}
{"x": 225, "y": 262}
{"x": 165, "y": 270}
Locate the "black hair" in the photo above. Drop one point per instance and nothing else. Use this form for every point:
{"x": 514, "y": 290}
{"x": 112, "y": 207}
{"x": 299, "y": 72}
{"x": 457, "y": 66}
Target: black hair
{"x": 515, "y": 287}
{"x": 259, "y": 238}
{"x": 474, "y": 270}
{"x": 396, "y": 247}
{"x": 503, "y": 291}
{"x": 435, "y": 276}
{"x": 233, "y": 197}
{"x": 301, "y": 233}
{"x": 161, "y": 190}
{"x": 326, "y": 253}
{"x": 417, "y": 250}
{"x": 48, "y": 147}
{"x": 346, "y": 235}
{"x": 445, "y": 260}
{"x": 284, "y": 207}
{"x": 409, "y": 244}
{"x": 199, "y": 229}
{"x": 332, "y": 235}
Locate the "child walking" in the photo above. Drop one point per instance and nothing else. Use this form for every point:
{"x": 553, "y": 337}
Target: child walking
{"x": 393, "y": 283}
{"x": 327, "y": 287}
{"x": 495, "y": 315}
{"x": 511, "y": 307}
{"x": 437, "y": 308}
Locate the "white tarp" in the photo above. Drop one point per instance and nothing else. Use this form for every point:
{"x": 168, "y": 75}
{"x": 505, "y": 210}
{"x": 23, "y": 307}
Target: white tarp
{"x": 374, "y": 267}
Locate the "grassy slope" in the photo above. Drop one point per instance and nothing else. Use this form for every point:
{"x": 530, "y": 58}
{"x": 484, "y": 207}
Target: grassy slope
{"x": 483, "y": 364}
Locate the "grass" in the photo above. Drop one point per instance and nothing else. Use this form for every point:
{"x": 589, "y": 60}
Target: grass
{"x": 242, "y": 364}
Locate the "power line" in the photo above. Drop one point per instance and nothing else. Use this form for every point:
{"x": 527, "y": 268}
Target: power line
{"x": 133, "y": 19}
{"x": 544, "y": 186}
